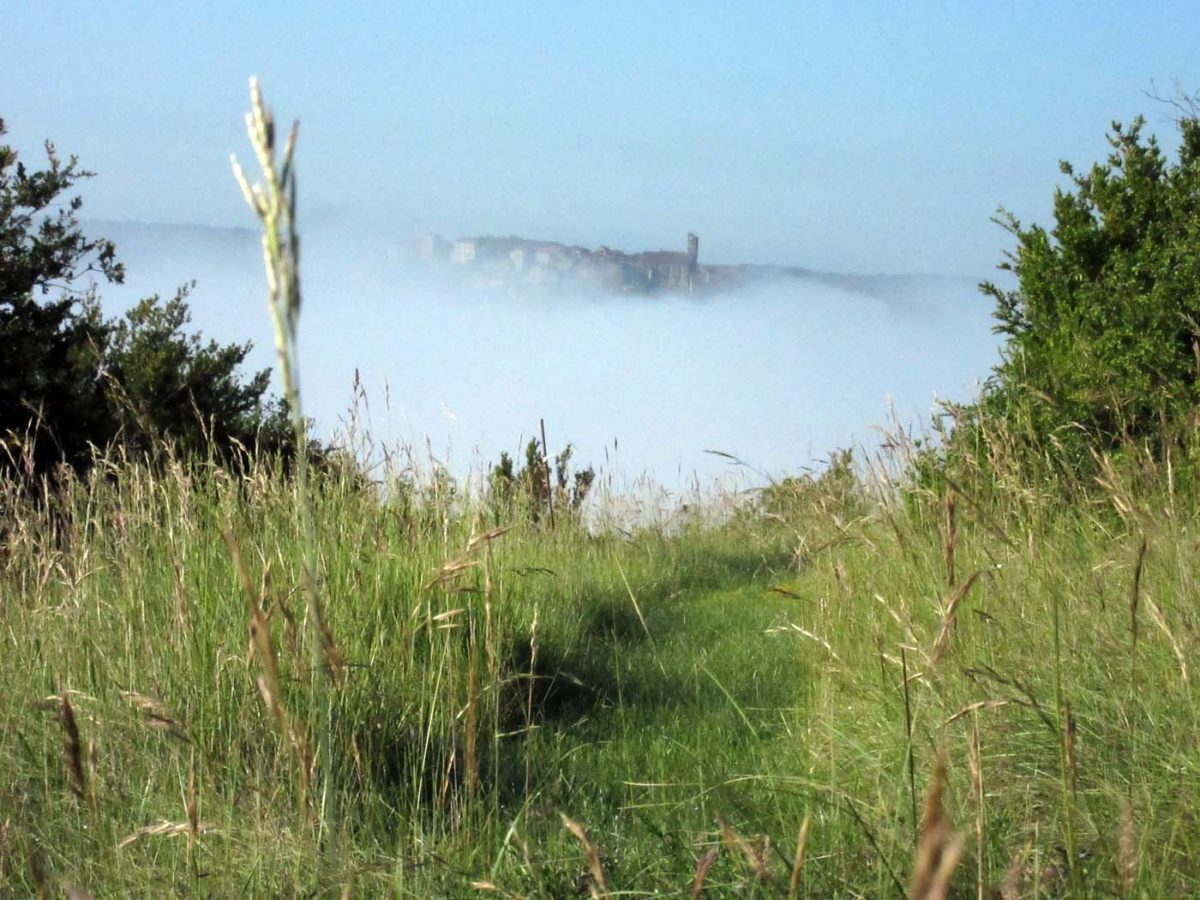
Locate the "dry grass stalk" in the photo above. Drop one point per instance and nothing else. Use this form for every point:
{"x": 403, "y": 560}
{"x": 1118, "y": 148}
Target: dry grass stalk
{"x": 756, "y": 856}
{"x": 73, "y": 755}
{"x": 1157, "y": 617}
{"x": 1069, "y": 734}
{"x": 182, "y": 609}
{"x": 1128, "y": 857}
{"x": 804, "y": 632}
{"x": 703, "y": 864}
{"x": 450, "y": 571}
{"x": 37, "y": 872}
{"x": 598, "y": 887}
{"x": 156, "y": 715}
{"x": 1113, "y": 485}
{"x": 333, "y": 663}
{"x": 448, "y": 777}
{"x": 1015, "y": 874}
{"x": 493, "y": 888}
{"x": 291, "y": 633}
{"x": 798, "y": 862}
{"x": 975, "y": 707}
{"x": 903, "y": 621}
{"x": 163, "y": 828}
{"x": 1134, "y": 595}
{"x": 487, "y": 537}
{"x": 950, "y": 616}
{"x": 270, "y": 682}
{"x": 939, "y": 849}
{"x": 951, "y": 538}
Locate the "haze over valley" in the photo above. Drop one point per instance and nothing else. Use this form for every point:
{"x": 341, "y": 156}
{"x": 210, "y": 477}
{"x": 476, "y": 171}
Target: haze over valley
{"x": 778, "y": 368}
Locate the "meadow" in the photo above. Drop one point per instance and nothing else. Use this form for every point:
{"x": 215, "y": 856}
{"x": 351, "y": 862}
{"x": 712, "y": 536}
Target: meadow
{"x": 276, "y": 676}
{"x": 753, "y": 703}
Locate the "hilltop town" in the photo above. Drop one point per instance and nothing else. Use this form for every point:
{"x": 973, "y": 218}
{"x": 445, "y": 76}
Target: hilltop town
{"x": 521, "y": 263}
{"x": 511, "y": 261}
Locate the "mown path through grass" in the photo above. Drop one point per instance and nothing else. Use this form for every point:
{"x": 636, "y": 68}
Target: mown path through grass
{"x": 656, "y": 722}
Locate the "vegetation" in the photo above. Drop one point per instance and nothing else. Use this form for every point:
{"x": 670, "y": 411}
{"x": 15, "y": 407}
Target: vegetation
{"x": 1103, "y": 328}
{"x": 923, "y": 674}
{"x": 682, "y": 694}
{"x": 536, "y": 490}
{"x": 71, "y": 381}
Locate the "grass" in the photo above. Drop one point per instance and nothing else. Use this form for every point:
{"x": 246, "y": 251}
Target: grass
{"x": 124, "y": 600}
{"x": 494, "y": 686}
{"x": 300, "y": 683}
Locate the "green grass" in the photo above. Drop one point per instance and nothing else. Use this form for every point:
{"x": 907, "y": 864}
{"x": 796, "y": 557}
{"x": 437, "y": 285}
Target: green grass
{"x": 755, "y": 682}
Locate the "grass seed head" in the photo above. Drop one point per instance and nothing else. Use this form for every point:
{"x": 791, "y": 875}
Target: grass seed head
{"x": 939, "y": 849}
{"x": 1128, "y": 857}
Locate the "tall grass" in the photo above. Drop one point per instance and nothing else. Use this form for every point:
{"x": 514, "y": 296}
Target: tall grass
{"x": 122, "y": 605}
{"x": 497, "y": 680}
{"x": 273, "y": 201}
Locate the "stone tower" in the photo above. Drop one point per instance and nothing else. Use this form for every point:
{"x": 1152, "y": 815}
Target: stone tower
{"x": 693, "y": 254}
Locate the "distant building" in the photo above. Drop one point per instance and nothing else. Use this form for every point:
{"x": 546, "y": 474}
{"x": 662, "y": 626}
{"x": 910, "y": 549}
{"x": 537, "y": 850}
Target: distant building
{"x": 670, "y": 268}
{"x": 430, "y": 247}
{"x": 504, "y": 259}
{"x": 464, "y": 252}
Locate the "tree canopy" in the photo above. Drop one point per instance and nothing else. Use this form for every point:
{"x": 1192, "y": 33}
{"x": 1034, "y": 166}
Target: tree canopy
{"x": 1102, "y": 328}
{"x": 71, "y": 380}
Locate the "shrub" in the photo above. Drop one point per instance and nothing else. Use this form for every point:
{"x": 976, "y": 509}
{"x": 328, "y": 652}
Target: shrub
{"x": 1102, "y": 349}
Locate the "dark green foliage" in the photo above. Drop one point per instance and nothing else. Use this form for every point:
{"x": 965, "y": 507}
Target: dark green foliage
{"x": 1102, "y": 328}
{"x": 535, "y": 489}
{"x": 71, "y": 381}
{"x": 49, "y": 350}
{"x": 178, "y": 388}
{"x": 43, "y": 247}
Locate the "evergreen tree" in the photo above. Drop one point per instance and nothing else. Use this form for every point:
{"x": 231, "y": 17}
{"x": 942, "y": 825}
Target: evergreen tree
{"x": 70, "y": 380}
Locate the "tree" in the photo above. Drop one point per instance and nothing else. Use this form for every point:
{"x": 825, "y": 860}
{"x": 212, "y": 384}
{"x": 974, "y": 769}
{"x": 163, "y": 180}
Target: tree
{"x": 1102, "y": 330}
{"x": 49, "y": 350}
{"x": 167, "y": 384}
{"x": 70, "y": 380}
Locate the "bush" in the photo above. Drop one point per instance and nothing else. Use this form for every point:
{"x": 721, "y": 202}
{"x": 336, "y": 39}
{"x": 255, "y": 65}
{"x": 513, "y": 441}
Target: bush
{"x": 1102, "y": 349}
{"x": 72, "y": 381}
{"x": 536, "y": 491}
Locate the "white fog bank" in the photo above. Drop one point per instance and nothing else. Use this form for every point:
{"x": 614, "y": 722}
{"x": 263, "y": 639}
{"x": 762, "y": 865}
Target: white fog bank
{"x": 776, "y": 374}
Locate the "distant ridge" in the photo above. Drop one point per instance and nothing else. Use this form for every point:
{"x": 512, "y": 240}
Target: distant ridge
{"x": 491, "y": 262}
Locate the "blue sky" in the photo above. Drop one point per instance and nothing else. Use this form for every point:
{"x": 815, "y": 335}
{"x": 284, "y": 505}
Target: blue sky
{"x": 872, "y": 137}
{"x": 863, "y": 137}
